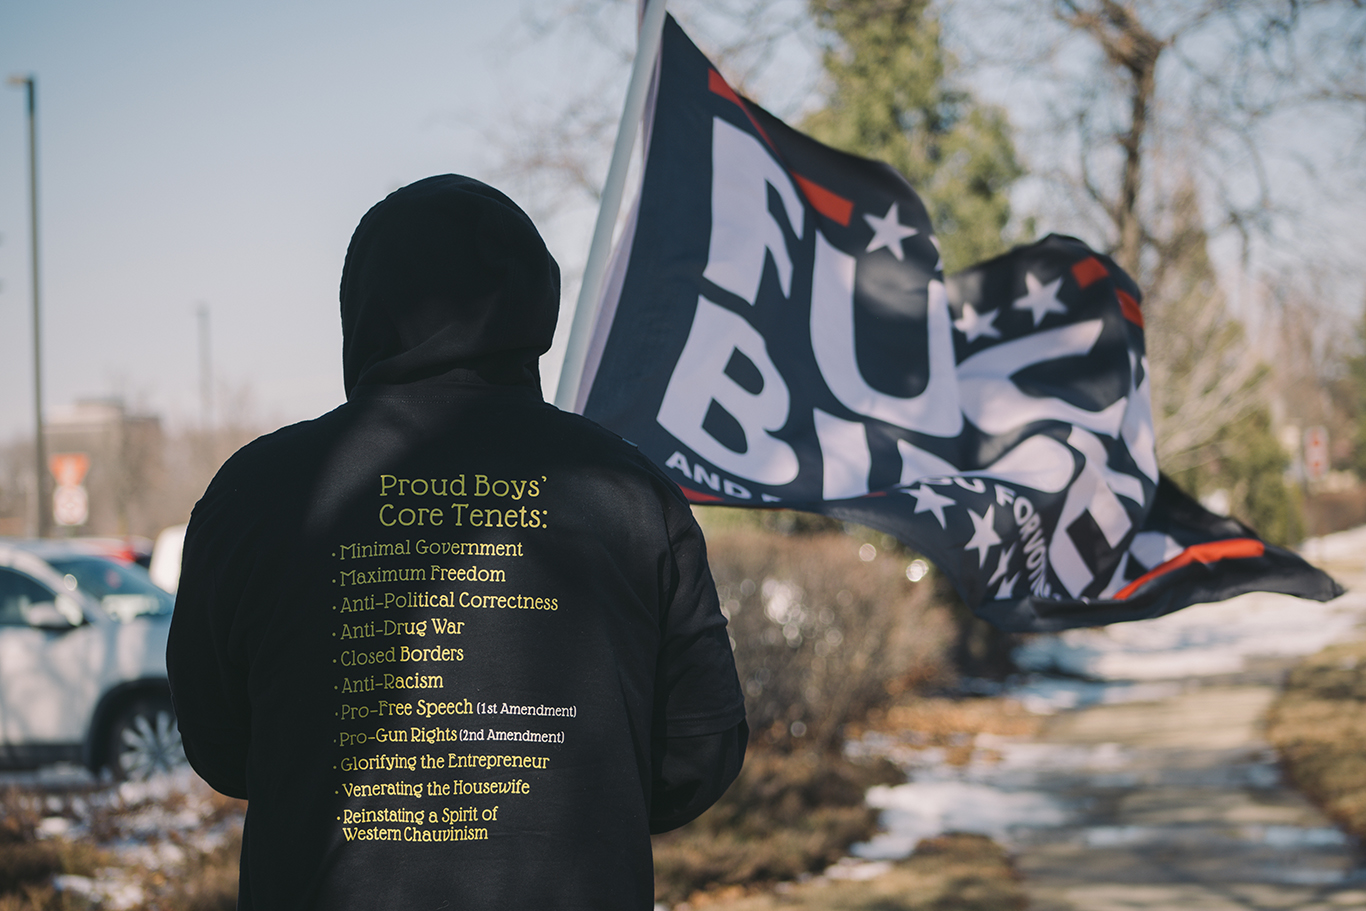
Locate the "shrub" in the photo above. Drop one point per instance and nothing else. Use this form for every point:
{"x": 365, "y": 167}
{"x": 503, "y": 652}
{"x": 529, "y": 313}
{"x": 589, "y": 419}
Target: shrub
{"x": 824, "y": 628}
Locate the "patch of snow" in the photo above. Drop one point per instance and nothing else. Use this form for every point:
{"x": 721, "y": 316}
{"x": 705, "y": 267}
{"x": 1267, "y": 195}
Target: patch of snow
{"x": 110, "y": 889}
{"x": 1294, "y": 836}
{"x": 1284, "y": 837}
{"x": 152, "y": 855}
{"x": 209, "y": 840}
{"x": 1264, "y": 774}
{"x": 1012, "y": 757}
{"x": 1049, "y": 695}
{"x": 62, "y": 775}
{"x": 54, "y": 827}
{"x": 1342, "y": 547}
{"x": 158, "y": 787}
{"x": 1122, "y": 836}
{"x": 1201, "y": 640}
{"x": 848, "y": 868}
{"x": 1309, "y": 877}
{"x": 153, "y": 825}
{"x": 70, "y": 882}
{"x": 918, "y": 810}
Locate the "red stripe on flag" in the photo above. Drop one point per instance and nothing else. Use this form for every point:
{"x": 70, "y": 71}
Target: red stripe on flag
{"x": 830, "y": 204}
{"x": 826, "y": 202}
{"x": 1088, "y": 271}
{"x": 697, "y": 496}
{"x": 719, "y": 87}
{"x": 1213, "y": 552}
{"x": 1129, "y": 307}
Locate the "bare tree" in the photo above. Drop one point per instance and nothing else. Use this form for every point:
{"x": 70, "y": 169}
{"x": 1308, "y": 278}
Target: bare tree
{"x": 1202, "y": 375}
{"x": 558, "y": 157}
{"x": 1168, "y": 133}
{"x": 1194, "y": 90}
{"x": 1131, "y": 48}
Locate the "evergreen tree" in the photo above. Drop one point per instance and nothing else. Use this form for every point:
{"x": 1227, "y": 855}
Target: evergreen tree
{"x": 892, "y": 97}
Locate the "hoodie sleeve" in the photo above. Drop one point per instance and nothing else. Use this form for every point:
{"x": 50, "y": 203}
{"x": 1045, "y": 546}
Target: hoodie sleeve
{"x": 691, "y": 773}
{"x": 207, "y": 675}
{"x": 699, "y": 733}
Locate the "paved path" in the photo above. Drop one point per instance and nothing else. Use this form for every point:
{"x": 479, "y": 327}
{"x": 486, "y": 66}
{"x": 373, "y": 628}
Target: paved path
{"x": 1188, "y": 814}
{"x": 1151, "y": 787}
{"x": 1187, "y": 809}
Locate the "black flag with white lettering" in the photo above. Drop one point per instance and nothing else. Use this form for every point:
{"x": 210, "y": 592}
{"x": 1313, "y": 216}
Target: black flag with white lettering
{"x": 777, "y": 332}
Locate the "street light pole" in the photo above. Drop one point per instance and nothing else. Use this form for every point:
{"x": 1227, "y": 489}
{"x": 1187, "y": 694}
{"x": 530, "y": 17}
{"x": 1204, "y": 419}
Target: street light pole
{"x": 39, "y": 449}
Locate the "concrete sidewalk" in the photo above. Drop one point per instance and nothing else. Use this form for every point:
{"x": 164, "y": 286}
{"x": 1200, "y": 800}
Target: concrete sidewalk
{"x": 1150, "y": 785}
{"x": 1189, "y": 814}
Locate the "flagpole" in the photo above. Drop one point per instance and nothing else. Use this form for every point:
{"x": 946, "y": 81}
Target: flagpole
{"x": 595, "y": 271}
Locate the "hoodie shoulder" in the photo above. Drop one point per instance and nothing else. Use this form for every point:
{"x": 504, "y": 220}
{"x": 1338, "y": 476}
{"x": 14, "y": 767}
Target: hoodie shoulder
{"x": 621, "y": 449}
{"x": 275, "y": 455}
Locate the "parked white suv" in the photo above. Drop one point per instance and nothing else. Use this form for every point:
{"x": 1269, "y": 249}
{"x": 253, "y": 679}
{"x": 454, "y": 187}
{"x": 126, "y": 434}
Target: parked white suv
{"x": 83, "y": 661}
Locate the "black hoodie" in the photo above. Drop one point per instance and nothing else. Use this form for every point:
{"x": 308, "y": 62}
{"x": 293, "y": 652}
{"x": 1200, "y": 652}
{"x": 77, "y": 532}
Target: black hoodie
{"x": 457, "y": 648}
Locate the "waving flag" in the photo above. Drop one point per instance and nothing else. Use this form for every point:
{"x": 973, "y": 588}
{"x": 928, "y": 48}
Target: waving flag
{"x": 776, "y": 331}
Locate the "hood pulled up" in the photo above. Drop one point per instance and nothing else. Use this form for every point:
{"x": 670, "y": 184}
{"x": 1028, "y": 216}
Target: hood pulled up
{"x": 447, "y": 274}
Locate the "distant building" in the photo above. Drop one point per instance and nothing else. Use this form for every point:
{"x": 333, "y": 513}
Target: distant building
{"x": 125, "y": 451}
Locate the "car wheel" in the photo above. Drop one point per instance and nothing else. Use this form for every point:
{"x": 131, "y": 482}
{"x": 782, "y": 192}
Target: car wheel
{"x": 144, "y": 740}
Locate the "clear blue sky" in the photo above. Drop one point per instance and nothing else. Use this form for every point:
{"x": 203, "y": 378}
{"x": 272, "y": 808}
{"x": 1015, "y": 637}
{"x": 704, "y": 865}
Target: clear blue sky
{"x": 224, "y": 153}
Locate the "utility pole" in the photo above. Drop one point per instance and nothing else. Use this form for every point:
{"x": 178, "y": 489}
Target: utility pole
{"x": 39, "y": 449}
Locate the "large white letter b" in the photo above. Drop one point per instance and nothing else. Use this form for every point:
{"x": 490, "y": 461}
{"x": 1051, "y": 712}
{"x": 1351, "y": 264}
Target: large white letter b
{"x": 700, "y": 379}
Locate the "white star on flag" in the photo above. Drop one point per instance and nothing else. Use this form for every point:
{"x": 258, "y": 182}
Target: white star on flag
{"x": 926, "y": 500}
{"x": 975, "y": 325}
{"x": 984, "y": 535}
{"x": 1006, "y": 589}
{"x": 1002, "y": 564}
{"x": 1041, "y": 299}
{"x": 889, "y": 232}
{"x": 939, "y": 265}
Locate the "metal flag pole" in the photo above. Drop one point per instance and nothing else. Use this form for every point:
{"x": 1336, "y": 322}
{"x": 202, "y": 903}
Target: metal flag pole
{"x": 595, "y": 271}
{"x": 39, "y": 453}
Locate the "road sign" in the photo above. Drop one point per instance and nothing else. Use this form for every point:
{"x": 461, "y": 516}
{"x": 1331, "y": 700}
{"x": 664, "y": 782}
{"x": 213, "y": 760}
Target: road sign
{"x": 70, "y": 502}
{"x": 69, "y": 468}
{"x": 1315, "y": 452}
{"x": 70, "y": 505}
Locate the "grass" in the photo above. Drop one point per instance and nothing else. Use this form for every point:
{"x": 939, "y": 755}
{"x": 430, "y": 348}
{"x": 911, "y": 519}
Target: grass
{"x": 954, "y": 872}
{"x": 175, "y": 846}
{"x": 1318, "y": 727}
{"x": 786, "y": 816}
{"x": 790, "y": 816}
{"x": 207, "y": 881}
{"x": 28, "y": 863}
{"x": 951, "y": 724}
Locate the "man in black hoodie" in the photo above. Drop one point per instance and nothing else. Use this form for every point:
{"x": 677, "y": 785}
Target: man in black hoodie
{"x": 457, "y": 648}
